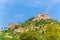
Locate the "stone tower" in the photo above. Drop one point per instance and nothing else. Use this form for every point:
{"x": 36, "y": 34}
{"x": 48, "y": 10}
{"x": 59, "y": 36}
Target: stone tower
{"x": 11, "y": 25}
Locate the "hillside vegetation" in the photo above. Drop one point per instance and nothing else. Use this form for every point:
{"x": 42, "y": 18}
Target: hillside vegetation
{"x": 33, "y": 30}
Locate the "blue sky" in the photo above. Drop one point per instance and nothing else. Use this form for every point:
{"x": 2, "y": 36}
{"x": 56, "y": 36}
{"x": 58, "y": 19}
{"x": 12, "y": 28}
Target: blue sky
{"x": 21, "y": 10}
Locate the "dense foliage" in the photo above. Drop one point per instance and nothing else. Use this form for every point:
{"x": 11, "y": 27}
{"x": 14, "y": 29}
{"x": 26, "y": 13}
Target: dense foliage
{"x": 33, "y": 30}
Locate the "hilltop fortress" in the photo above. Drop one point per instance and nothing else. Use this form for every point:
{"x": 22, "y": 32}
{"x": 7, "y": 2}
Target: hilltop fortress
{"x": 42, "y": 16}
{"x": 39, "y": 17}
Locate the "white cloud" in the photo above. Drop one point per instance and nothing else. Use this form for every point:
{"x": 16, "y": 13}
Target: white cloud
{"x": 30, "y": 3}
{"x": 3, "y": 1}
{"x": 37, "y": 3}
{"x": 20, "y": 16}
{"x": 51, "y": 5}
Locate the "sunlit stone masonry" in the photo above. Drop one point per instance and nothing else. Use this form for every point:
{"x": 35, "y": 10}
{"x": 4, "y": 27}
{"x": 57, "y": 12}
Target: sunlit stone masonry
{"x": 42, "y": 16}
